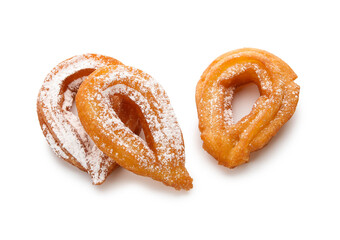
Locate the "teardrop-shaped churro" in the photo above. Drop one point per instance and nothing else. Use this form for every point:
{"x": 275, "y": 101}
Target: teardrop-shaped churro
{"x": 161, "y": 156}
{"x": 63, "y": 129}
{"x": 231, "y": 144}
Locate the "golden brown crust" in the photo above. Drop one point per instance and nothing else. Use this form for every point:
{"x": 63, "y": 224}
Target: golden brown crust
{"x": 231, "y": 143}
{"x": 161, "y": 156}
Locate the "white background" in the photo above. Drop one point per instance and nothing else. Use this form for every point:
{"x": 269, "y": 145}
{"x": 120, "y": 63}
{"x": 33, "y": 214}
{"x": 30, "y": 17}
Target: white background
{"x": 289, "y": 189}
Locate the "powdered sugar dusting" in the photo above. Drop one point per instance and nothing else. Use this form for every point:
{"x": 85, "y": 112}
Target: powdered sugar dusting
{"x": 64, "y": 124}
{"x": 57, "y": 150}
{"x": 168, "y": 145}
{"x": 165, "y": 129}
{"x": 274, "y": 107}
{"x": 228, "y": 113}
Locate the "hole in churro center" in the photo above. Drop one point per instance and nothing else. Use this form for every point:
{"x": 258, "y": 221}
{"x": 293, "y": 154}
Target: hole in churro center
{"x": 131, "y": 115}
{"x": 71, "y": 86}
{"x": 77, "y": 124}
{"x": 244, "y": 98}
{"x": 127, "y": 112}
{"x": 142, "y": 135}
{"x": 74, "y": 109}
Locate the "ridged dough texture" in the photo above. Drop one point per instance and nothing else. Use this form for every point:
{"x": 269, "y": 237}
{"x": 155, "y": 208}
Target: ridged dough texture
{"x": 231, "y": 143}
{"x": 62, "y": 129}
{"x": 161, "y": 155}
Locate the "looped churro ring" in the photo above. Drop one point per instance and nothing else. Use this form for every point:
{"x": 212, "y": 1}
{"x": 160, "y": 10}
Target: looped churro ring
{"x": 161, "y": 155}
{"x": 63, "y": 129}
{"x": 231, "y": 143}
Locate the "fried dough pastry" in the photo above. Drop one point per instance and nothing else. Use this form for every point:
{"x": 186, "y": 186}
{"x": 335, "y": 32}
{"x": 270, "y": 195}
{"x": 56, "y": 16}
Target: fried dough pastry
{"x": 62, "y": 128}
{"x": 161, "y": 156}
{"x": 231, "y": 144}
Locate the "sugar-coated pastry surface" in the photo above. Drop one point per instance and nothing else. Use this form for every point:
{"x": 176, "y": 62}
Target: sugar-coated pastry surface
{"x": 231, "y": 144}
{"x": 62, "y": 129}
{"x": 161, "y": 156}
